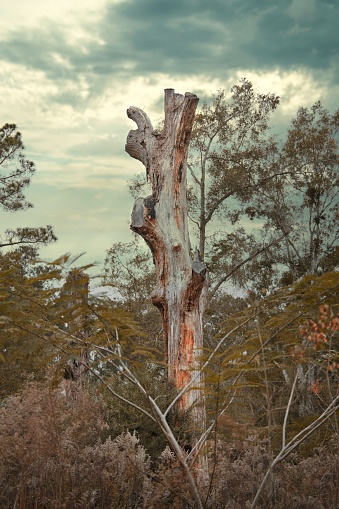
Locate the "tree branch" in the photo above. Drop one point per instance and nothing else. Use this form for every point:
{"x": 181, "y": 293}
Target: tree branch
{"x": 252, "y": 257}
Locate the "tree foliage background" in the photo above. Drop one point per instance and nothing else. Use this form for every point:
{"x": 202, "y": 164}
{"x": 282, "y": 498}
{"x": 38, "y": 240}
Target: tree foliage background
{"x": 81, "y": 378}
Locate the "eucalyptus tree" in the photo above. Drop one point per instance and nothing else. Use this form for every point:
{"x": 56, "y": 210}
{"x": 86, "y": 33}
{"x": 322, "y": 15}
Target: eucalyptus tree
{"x": 304, "y": 198}
{"x": 228, "y": 156}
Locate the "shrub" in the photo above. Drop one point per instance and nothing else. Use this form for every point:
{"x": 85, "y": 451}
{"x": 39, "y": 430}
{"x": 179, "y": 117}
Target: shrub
{"x": 56, "y": 453}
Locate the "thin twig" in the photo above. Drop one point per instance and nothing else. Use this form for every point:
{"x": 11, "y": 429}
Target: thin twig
{"x": 288, "y": 410}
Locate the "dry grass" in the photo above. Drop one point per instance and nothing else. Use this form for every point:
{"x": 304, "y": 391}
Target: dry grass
{"x": 56, "y": 453}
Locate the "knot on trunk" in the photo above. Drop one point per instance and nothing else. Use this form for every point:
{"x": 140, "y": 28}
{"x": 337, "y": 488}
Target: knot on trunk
{"x": 195, "y": 286}
{"x": 144, "y": 208}
{"x": 199, "y": 268}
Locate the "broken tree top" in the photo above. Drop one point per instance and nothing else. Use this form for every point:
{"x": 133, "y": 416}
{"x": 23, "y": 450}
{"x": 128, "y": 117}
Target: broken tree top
{"x": 179, "y": 117}
{"x": 164, "y": 155}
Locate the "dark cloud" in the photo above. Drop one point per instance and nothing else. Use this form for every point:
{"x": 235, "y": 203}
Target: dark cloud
{"x": 177, "y": 36}
{"x": 34, "y": 49}
{"x": 181, "y": 38}
{"x": 214, "y": 38}
{"x": 308, "y": 40}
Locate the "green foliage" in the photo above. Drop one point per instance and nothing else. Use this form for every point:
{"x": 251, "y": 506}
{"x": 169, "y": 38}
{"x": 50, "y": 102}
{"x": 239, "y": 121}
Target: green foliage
{"x": 229, "y": 150}
{"x": 41, "y": 236}
{"x": 48, "y": 323}
{"x": 264, "y": 347}
{"x": 304, "y": 198}
{"x": 237, "y": 171}
{"x": 24, "y": 313}
{"x": 128, "y": 266}
{"x": 229, "y": 146}
{"x": 15, "y": 175}
{"x": 51, "y": 329}
{"x": 16, "y": 170}
{"x": 129, "y": 269}
{"x": 228, "y": 161}
{"x": 263, "y": 353}
{"x": 296, "y": 196}
{"x": 242, "y": 260}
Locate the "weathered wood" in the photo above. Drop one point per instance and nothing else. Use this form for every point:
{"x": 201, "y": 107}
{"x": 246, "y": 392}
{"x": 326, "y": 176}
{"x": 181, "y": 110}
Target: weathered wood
{"x": 161, "y": 219}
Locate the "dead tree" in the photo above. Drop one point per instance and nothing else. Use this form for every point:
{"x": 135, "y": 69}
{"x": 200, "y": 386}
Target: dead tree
{"x": 161, "y": 219}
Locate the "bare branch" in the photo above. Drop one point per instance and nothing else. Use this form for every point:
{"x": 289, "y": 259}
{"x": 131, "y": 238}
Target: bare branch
{"x": 295, "y": 442}
{"x": 288, "y": 410}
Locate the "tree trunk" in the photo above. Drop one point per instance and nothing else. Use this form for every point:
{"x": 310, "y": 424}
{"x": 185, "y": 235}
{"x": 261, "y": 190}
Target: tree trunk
{"x": 161, "y": 219}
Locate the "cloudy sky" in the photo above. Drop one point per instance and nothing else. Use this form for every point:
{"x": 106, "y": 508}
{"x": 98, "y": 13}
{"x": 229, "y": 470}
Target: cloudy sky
{"x": 69, "y": 69}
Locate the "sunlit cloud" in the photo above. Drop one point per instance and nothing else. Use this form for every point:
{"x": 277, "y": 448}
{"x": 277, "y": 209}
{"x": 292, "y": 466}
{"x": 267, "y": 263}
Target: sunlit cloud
{"x": 69, "y": 70}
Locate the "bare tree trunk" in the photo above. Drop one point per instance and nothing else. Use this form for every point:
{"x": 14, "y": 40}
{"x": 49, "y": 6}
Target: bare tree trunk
{"x": 161, "y": 219}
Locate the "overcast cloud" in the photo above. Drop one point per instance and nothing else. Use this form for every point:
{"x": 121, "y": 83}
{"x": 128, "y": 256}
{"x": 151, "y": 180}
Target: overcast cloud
{"x": 69, "y": 70}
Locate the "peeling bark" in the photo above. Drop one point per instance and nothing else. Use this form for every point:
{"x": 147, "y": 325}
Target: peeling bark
{"x": 161, "y": 219}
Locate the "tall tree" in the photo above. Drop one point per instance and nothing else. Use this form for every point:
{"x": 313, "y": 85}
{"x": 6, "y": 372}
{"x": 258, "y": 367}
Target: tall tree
{"x": 15, "y": 175}
{"x": 304, "y": 198}
{"x": 228, "y": 154}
